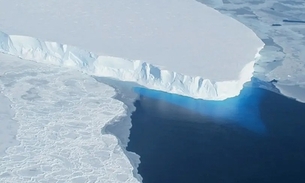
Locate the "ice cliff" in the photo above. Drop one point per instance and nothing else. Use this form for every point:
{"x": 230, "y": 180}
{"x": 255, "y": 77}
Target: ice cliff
{"x": 138, "y": 71}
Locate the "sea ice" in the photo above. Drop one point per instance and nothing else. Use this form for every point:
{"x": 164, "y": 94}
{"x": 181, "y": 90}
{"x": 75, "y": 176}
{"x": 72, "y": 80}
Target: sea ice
{"x": 60, "y": 114}
{"x": 8, "y": 127}
{"x": 280, "y": 25}
{"x": 181, "y": 47}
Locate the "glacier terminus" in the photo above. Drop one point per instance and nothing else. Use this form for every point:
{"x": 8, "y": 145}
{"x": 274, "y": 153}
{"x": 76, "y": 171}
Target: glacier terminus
{"x": 51, "y": 52}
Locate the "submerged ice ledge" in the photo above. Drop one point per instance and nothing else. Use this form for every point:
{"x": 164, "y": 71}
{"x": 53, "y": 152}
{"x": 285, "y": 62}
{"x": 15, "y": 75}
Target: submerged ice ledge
{"x": 138, "y": 71}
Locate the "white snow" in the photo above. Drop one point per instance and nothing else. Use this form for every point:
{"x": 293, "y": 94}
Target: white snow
{"x": 182, "y": 36}
{"x": 180, "y": 46}
{"x": 126, "y": 70}
{"x": 60, "y": 113}
{"x": 8, "y": 127}
{"x": 283, "y": 57}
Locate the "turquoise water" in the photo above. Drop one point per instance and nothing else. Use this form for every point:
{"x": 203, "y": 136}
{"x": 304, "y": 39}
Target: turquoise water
{"x": 242, "y": 110}
{"x": 258, "y": 136}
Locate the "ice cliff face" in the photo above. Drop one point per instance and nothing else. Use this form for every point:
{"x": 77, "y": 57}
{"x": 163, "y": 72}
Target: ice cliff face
{"x": 137, "y": 71}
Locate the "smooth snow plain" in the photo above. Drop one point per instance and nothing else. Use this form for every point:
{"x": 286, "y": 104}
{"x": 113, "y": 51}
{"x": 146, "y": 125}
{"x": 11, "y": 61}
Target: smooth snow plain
{"x": 183, "y": 36}
{"x": 181, "y": 47}
{"x": 60, "y": 113}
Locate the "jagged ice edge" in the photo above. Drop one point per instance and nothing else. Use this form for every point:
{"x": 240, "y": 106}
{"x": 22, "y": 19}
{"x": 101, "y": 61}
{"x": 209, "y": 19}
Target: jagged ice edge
{"x": 138, "y": 71}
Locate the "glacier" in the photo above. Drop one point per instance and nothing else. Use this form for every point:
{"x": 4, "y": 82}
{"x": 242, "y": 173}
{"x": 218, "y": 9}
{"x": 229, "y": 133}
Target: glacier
{"x": 184, "y": 36}
{"x": 129, "y": 34}
{"x": 272, "y": 32}
{"x": 280, "y": 25}
{"x": 137, "y": 71}
{"x": 208, "y": 58}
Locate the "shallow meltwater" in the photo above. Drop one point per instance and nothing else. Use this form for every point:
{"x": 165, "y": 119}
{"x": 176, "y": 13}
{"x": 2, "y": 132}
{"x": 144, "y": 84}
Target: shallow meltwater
{"x": 258, "y": 136}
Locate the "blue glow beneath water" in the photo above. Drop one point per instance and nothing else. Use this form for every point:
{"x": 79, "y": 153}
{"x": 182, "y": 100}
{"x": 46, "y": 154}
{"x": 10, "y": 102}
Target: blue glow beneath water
{"x": 241, "y": 110}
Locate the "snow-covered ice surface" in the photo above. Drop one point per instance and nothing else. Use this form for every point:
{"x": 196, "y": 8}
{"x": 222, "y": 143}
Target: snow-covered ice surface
{"x": 8, "y": 127}
{"x": 191, "y": 48}
{"x": 137, "y": 71}
{"x": 281, "y": 26}
{"x": 183, "y": 36}
{"x": 60, "y": 114}
{"x": 54, "y": 114}
{"x": 126, "y": 70}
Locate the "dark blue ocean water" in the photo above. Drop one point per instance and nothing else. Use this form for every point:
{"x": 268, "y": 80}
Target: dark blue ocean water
{"x": 257, "y": 137}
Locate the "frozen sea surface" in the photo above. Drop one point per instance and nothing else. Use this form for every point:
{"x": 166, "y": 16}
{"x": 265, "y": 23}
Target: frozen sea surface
{"x": 60, "y": 114}
{"x": 8, "y": 127}
{"x": 280, "y": 25}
